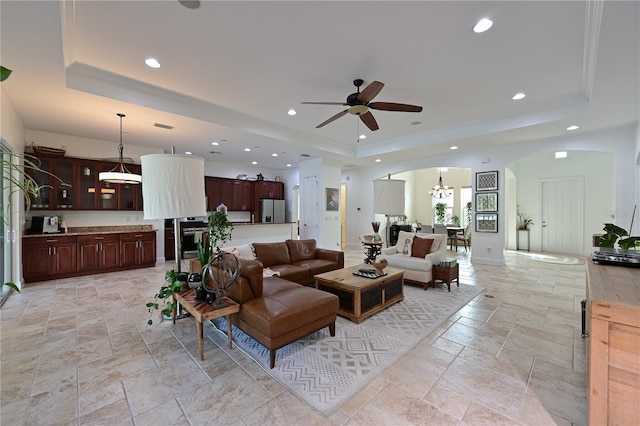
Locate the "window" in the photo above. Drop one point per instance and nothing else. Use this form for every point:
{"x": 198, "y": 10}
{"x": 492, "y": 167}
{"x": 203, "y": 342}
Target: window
{"x": 465, "y": 198}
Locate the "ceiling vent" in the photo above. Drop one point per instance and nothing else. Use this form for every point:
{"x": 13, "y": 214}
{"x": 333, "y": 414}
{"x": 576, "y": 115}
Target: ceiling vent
{"x": 215, "y": 152}
{"x": 305, "y": 155}
{"x": 163, "y": 126}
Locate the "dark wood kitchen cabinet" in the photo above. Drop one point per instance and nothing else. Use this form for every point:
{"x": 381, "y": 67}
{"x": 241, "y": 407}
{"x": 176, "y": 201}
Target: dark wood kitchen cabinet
{"x": 212, "y": 191}
{"x": 49, "y": 257}
{"x": 138, "y": 249}
{"x": 98, "y": 253}
{"x": 54, "y": 194}
{"x": 169, "y": 244}
{"x": 81, "y": 188}
{"x": 271, "y": 189}
{"x": 242, "y": 199}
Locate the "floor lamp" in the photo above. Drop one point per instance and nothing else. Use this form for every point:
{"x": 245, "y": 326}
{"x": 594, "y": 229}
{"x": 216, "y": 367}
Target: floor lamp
{"x": 173, "y": 188}
{"x": 388, "y": 199}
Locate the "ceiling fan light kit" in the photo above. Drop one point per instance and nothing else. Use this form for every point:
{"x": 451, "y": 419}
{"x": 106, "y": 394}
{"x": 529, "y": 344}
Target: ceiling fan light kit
{"x": 359, "y": 104}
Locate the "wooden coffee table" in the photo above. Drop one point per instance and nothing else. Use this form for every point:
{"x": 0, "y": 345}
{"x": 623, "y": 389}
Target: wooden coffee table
{"x": 362, "y": 297}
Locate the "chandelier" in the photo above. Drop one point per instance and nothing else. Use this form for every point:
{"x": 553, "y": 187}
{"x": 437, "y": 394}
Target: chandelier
{"x": 120, "y": 173}
{"x": 440, "y": 191}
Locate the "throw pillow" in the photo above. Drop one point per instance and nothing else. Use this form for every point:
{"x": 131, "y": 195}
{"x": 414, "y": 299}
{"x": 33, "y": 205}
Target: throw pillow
{"x": 407, "y": 247}
{"x": 421, "y": 246}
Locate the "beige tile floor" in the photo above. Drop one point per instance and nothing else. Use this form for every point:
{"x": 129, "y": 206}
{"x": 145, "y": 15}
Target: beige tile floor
{"x": 77, "y": 351}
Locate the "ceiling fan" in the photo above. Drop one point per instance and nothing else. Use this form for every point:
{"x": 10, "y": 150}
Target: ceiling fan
{"x": 359, "y": 104}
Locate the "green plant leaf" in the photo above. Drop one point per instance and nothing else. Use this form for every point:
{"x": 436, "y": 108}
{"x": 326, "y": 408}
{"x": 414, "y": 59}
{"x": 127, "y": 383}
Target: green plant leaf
{"x": 608, "y": 240}
{"x": 628, "y": 243}
{"x": 13, "y": 286}
{"x": 4, "y": 73}
{"x": 610, "y": 228}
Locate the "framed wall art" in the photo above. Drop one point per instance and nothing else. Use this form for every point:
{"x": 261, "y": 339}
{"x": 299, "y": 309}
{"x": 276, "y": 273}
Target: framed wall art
{"x": 332, "y": 199}
{"x": 486, "y": 222}
{"x": 486, "y": 201}
{"x": 487, "y": 181}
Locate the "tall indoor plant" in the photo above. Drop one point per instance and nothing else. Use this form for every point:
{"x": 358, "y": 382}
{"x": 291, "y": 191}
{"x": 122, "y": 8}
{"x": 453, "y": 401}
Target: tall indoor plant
{"x": 441, "y": 209}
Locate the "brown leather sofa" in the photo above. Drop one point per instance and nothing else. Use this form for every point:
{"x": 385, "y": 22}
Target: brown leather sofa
{"x": 298, "y": 260}
{"x": 275, "y": 311}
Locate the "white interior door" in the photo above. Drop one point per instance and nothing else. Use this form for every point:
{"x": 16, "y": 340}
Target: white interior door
{"x": 562, "y": 215}
{"x": 310, "y": 220}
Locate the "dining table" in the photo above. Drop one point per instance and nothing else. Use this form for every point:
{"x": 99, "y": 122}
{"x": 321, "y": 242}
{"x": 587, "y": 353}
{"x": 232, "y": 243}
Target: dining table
{"x": 452, "y": 232}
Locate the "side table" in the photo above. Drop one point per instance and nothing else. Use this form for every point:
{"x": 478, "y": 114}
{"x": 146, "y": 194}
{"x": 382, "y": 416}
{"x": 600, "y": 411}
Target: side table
{"x": 372, "y": 250}
{"x": 203, "y": 311}
{"x": 446, "y": 274}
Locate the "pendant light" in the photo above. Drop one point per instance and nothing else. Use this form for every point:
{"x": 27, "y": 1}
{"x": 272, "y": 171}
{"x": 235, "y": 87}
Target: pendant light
{"x": 440, "y": 191}
{"x": 120, "y": 173}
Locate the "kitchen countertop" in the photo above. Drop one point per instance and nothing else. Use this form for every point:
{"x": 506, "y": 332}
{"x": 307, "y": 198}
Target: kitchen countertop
{"x": 91, "y": 230}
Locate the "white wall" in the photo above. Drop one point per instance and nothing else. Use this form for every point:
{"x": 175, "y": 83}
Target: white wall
{"x": 597, "y": 171}
{"x": 488, "y": 247}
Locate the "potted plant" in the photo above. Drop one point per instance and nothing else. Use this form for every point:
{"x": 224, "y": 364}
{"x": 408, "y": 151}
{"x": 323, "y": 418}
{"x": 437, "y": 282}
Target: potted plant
{"x": 456, "y": 220}
{"x": 441, "y": 209}
{"x": 613, "y": 233}
{"x": 219, "y": 229}
{"x": 468, "y": 212}
{"x": 173, "y": 284}
{"x": 523, "y": 221}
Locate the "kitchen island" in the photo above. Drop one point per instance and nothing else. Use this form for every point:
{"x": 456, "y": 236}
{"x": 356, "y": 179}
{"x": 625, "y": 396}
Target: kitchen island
{"x": 613, "y": 344}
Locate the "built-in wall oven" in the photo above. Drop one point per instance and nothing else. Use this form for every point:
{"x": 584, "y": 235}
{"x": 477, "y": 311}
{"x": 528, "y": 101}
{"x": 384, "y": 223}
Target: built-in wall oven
{"x": 191, "y": 229}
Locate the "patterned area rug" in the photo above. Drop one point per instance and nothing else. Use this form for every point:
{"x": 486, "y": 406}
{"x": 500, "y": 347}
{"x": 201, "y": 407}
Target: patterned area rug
{"x": 326, "y": 371}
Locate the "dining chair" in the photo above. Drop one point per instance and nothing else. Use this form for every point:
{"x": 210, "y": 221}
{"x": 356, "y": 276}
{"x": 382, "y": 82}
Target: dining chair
{"x": 427, "y": 229}
{"x": 464, "y": 237}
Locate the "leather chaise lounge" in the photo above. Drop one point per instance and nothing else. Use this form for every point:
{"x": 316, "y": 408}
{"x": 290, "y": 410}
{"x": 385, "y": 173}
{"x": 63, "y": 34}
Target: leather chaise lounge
{"x": 276, "y": 311}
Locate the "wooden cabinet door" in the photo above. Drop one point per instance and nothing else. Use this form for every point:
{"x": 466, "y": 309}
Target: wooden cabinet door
{"x": 88, "y": 256}
{"x": 64, "y": 190}
{"x": 169, "y": 244}
{"x": 87, "y": 183}
{"x": 130, "y": 195}
{"x": 36, "y": 260}
{"x": 226, "y": 192}
{"x": 44, "y": 198}
{"x": 129, "y": 253}
{"x": 212, "y": 190}
{"x": 272, "y": 190}
{"x": 65, "y": 258}
{"x": 147, "y": 249}
{"x": 110, "y": 254}
{"x": 247, "y": 196}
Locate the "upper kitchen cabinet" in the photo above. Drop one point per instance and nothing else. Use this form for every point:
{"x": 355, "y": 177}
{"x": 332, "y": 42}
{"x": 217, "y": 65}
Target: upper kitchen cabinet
{"x": 54, "y": 193}
{"x": 212, "y": 191}
{"x": 82, "y": 190}
{"x": 270, "y": 189}
{"x": 242, "y": 199}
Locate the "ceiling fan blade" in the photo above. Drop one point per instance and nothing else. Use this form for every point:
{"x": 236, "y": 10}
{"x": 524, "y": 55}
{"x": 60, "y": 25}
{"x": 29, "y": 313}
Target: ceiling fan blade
{"x": 370, "y": 91}
{"x": 334, "y": 118}
{"x": 391, "y": 106}
{"x": 369, "y": 121}
{"x": 325, "y": 103}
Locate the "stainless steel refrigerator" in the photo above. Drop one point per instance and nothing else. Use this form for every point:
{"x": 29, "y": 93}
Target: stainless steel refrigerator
{"x": 272, "y": 211}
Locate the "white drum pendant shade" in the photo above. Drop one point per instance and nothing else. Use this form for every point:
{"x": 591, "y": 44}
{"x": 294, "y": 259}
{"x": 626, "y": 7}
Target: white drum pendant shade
{"x": 388, "y": 197}
{"x": 173, "y": 186}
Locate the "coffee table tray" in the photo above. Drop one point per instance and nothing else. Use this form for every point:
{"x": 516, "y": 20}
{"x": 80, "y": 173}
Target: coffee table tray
{"x": 372, "y": 275}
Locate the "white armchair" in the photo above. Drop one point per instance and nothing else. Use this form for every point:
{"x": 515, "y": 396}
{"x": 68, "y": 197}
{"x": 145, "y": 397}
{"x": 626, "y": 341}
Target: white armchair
{"x": 417, "y": 269}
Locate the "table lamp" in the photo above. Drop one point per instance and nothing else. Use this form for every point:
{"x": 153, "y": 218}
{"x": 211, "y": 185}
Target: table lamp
{"x": 388, "y": 199}
{"x": 173, "y": 188}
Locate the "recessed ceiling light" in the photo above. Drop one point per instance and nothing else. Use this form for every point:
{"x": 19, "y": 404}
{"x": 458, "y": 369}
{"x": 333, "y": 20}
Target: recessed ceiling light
{"x": 292, "y": 112}
{"x": 188, "y": 152}
{"x": 152, "y": 63}
{"x": 574, "y": 127}
{"x": 483, "y": 25}
{"x": 561, "y": 154}
{"x": 453, "y": 147}
{"x": 215, "y": 143}
{"x": 274, "y": 154}
{"x": 378, "y": 160}
{"x": 247, "y": 150}
{"x": 518, "y": 96}
{"x": 363, "y": 137}
{"x": 288, "y": 164}
{"x": 254, "y": 162}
